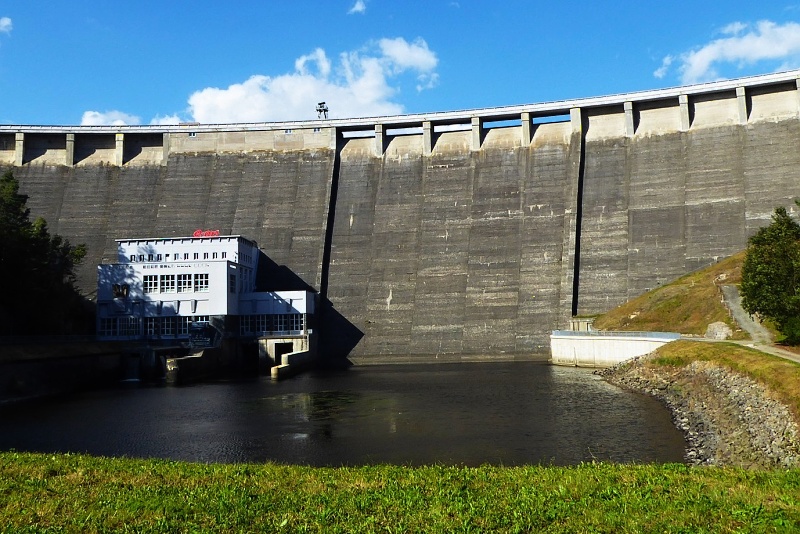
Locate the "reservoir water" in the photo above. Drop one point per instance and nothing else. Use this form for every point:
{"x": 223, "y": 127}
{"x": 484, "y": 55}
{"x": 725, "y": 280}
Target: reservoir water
{"x": 508, "y": 413}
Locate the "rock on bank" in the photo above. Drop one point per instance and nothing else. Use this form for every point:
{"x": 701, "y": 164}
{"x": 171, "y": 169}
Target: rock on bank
{"x": 728, "y": 418}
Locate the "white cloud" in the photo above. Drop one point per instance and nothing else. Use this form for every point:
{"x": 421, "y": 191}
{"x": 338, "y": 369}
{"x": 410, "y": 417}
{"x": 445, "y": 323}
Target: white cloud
{"x": 734, "y": 28}
{"x": 359, "y": 7}
{"x": 5, "y": 25}
{"x": 167, "y": 119}
{"x": 362, "y": 83}
{"x": 319, "y": 58}
{"x": 742, "y": 45}
{"x": 109, "y": 118}
{"x": 404, "y": 55}
{"x": 662, "y": 70}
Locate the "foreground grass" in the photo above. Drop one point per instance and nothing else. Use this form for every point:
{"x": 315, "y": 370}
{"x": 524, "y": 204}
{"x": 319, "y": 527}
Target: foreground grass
{"x": 687, "y": 305}
{"x": 74, "y": 493}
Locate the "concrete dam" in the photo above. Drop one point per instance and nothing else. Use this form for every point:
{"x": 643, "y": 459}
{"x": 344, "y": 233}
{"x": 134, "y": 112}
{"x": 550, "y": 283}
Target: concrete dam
{"x": 452, "y": 235}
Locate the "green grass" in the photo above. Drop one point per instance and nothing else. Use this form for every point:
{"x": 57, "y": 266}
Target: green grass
{"x": 74, "y": 493}
{"x": 687, "y": 305}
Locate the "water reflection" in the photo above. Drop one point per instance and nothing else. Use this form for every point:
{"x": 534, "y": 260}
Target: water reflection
{"x": 500, "y": 413}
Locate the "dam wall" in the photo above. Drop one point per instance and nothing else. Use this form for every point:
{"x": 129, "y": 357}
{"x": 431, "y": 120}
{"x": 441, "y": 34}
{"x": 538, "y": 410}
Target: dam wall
{"x": 446, "y": 236}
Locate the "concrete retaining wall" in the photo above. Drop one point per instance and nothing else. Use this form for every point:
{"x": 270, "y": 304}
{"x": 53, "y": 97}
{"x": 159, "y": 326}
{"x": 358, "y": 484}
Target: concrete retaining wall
{"x": 30, "y": 370}
{"x": 603, "y": 349}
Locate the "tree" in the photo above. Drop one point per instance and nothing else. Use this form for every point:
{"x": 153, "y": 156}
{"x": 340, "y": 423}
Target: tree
{"x": 771, "y": 275}
{"x": 38, "y": 270}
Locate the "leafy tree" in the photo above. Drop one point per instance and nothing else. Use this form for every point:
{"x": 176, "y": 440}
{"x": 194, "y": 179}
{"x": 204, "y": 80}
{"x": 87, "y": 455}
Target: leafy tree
{"x": 771, "y": 275}
{"x": 38, "y": 270}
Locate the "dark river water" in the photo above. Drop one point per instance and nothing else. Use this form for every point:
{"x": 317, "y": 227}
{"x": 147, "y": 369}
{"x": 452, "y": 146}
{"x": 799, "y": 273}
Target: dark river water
{"x": 509, "y": 413}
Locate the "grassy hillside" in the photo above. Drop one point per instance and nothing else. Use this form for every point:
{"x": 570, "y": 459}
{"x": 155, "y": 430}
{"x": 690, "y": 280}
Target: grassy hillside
{"x": 687, "y": 305}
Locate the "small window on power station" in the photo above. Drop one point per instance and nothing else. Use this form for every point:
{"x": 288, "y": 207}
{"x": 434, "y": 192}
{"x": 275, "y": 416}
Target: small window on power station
{"x": 192, "y": 134}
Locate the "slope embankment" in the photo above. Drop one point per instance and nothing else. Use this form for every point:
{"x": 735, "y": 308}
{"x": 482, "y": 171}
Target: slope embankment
{"x": 737, "y": 405}
{"x": 728, "y": 417}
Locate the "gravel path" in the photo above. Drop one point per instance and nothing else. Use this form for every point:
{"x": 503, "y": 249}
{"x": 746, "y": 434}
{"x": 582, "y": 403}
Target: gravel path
{"x": 733, "y": 301}
{"x": 761, "y": 337}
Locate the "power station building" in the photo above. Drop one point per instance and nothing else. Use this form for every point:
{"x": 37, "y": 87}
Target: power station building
{"x": 194, "y": 290}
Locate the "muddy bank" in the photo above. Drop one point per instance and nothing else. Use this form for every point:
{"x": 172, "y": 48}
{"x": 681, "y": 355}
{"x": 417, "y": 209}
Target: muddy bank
{"x": 728, "y": 419}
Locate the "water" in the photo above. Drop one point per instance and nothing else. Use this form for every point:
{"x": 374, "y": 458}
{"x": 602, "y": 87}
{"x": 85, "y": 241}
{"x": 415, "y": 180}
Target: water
{"x": 510, "y": 413}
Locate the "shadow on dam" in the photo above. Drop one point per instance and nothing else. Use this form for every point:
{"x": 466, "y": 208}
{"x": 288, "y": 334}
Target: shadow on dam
{"x": 337, "y": 335}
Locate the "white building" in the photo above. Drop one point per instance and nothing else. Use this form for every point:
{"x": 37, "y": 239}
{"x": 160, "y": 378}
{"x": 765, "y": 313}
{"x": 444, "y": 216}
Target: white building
{"x": 163, "y": 289}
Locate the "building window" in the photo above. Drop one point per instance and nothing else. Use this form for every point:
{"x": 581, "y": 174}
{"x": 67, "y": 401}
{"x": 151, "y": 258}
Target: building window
{"x": 224, "y": 255}
{"x": 196, "y": 256}
{"x": 192, "y": 134}
{"x": 200, "y": 318}
{"x": 213, "y": 255}
{"x": 158, "y": 257}
{"x": 281, "y": 323}
{"x": 149, "y": 257}
{"x": 150, "y": 283}
{"x": 133, "y": 257}
{"x": 183, "y": 325}
{"x": 185, "y": 255}
{"x": 120, "y": 291}
{"x": 168, "y": 326}
{"x": 168, "y": 283}
{"x": 296, "y": 322}
{"x": 129, "y": 326}
{"x": 201, "y": 282}
{"x": 246, "y": 324}
{"x": 108, "y": 327}
{"x": 141, "y": 257}
{"x": 184, "y": 283}
{"x": 151, "y": 326}
{"x": 205, "y": 255}
{"x": 232, "y": 283}
{"x": 287, "y": 131}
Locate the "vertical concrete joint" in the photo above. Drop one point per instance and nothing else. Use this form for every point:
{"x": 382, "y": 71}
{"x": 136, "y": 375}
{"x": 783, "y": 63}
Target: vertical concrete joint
{"x": 476, "y": 133}
{"x": 379, "y": 132}
{"x": 427, "y": 138}
{"x": 165, "y": 148}
{"x": 575, "y": 120}
{"x": 525, "y": 119}
{"x": 19, "y": 148}
{"x": 69, "y": 153}
{"x": 120, "y": 139}
{"x": 629, "y": 126}
{"x": 683, "y": 102}
{"x": 797, "y": 84}
{"x": 741, "y": 102}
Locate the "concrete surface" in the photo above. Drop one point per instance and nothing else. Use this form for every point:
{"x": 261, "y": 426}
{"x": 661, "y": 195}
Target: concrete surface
{"x": 452, "y": 248}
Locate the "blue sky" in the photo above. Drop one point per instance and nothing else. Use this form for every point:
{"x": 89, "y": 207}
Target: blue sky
{"x": 156, "y": 61}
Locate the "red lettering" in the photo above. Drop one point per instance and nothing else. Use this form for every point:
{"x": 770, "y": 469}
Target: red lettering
{"x": 205, "y": 233}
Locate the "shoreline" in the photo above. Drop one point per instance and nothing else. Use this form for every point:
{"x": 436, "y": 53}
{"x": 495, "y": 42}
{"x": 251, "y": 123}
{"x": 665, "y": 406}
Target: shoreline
{"x": 728, "y": 419}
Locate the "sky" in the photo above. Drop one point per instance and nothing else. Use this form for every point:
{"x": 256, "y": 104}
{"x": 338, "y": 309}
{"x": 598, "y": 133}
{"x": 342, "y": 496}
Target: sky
{"x": 97, "y": 62}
